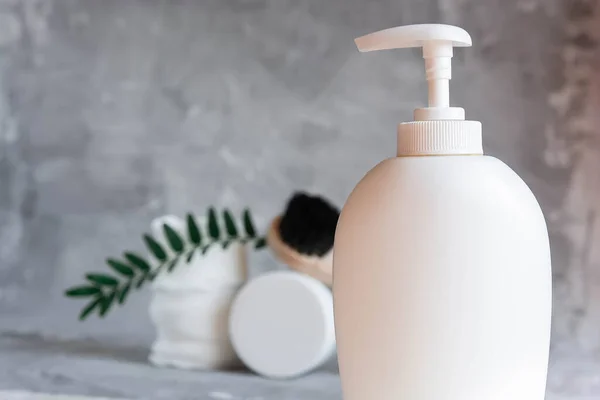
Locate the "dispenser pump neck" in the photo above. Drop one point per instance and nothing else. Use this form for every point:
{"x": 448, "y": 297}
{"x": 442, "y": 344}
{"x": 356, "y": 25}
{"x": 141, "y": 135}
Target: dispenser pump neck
{"x": 438, "y": 70}
{"x": 437, "y": 41}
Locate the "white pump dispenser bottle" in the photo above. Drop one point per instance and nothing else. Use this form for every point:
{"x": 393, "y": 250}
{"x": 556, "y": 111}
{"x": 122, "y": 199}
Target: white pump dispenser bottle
{"x": 442, "y": 278}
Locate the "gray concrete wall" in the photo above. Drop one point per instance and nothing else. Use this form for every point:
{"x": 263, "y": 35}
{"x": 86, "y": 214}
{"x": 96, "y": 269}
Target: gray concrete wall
{"x": 113, "y": 112}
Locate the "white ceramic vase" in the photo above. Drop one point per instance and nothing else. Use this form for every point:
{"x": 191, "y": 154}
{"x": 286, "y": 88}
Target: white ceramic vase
{"x": 190, "y": 306}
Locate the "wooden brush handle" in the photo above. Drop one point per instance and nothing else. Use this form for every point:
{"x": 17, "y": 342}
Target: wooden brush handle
{"x": 319, "y": 268}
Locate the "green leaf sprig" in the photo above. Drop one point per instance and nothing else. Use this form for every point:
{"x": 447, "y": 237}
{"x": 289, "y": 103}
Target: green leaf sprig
{"x": 104, "y": 290}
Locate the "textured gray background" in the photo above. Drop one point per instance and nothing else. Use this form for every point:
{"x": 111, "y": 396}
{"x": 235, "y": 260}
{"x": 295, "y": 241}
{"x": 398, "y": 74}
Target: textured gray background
{"x": 113, "y": 112}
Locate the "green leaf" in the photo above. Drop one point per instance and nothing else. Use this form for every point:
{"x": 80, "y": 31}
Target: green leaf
{"x": 137, "y": 261}
{"x": 260, "y": 243}
{"x": 173, "y": 238}
{"x": 82, "y": 291}
{"x": 124, "y": 292}
{"x": 101, "y": 279}
{"x": 107, "y": 303}
{"x": 92, "y": 305}
{"x": 120, "y": 267}
{"x": 172, "y": 264}
{"x": 193, "y": 231}
{"x": 213, "y": 224}
{"x": 155, "y": 248}
{"x": 205, "y": 249}
{"x": 226, "y": 244}
{"x": 140, "y": 281}
{"x": 230, "y": 224}
{"x": 190, "y": 255}
{"x": 249, "y": 224}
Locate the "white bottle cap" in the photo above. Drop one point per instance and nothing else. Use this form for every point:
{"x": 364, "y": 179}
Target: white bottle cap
{"x": 438, "y": 129}
{"x": 281, "y": 324}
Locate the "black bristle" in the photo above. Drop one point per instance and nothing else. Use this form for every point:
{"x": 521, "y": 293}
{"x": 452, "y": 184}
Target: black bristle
{"x": 308, "y": 224}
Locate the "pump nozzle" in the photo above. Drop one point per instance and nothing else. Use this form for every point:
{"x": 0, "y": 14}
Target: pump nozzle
{"x": 438, "y": 129}
{"x": 437, "y": 41}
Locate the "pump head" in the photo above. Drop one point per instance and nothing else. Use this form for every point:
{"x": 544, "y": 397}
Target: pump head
{"x": 438, "y": 129}
{"x": 437, "y": 41}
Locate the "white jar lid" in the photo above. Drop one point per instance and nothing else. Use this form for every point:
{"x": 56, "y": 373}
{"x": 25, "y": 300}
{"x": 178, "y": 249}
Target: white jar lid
{"x": 281, "y": 324}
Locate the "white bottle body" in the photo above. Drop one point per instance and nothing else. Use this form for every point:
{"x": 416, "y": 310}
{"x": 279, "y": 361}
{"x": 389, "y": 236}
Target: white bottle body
{"x": 442, "y": 283}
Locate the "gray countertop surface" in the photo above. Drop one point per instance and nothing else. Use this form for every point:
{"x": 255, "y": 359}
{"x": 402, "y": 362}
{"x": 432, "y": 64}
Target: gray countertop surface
{"x": 112, "y": 369}
{"x": 89, "y": 367}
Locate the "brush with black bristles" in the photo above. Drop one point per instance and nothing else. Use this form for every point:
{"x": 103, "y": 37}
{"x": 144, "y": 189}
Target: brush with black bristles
{"x": 302, "y": 237}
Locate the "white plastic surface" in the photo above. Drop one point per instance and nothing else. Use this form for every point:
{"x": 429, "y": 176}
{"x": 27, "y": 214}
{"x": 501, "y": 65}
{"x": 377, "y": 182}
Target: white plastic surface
{"x": 281, "y": 324}
{"x": 428, "y": 138}
{"x": 417, "y": 35}
{"x": 437, "y": 41}
{"x": 442, "y": 283}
